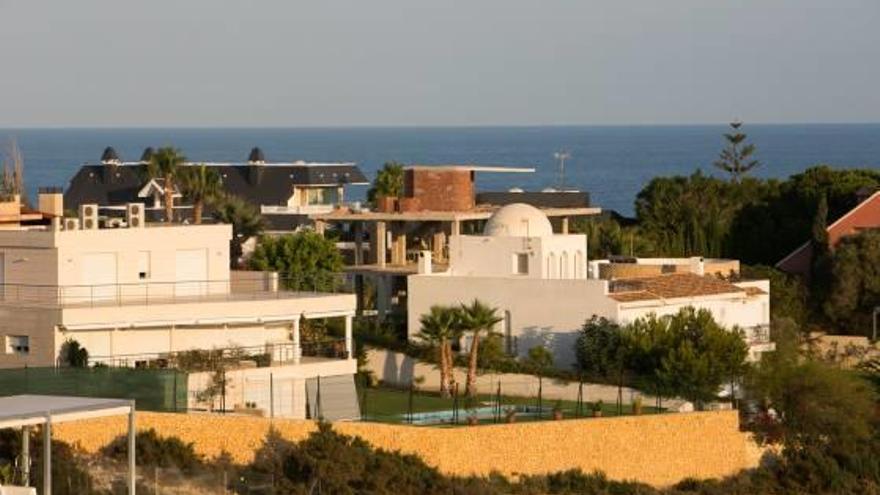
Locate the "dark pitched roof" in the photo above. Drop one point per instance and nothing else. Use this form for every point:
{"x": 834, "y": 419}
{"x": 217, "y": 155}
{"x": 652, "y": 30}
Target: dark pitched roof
{"x": 259, "y": 184}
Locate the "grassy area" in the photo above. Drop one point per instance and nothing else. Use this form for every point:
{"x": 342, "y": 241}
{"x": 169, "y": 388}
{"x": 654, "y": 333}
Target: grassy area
{"x": 392, "y": 405}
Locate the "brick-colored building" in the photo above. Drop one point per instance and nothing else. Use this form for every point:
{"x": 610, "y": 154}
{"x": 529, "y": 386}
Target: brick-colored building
{"x": 438, "y": 188}
{"x": 863, "y": 217}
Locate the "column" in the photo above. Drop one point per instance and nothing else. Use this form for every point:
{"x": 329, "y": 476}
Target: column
{"x": 26, "y": 455}
{"x": 379, "y": 243}
{"x": 297, "y": 346}
{"x": 438, "y": 244}
{"x": 47, "y": 456}
{"x": 349, "y": 343}
{"x": 358, "y": 243}
{"x": 383, "y": 296}
{"x": 455, "y": 227}
{"x": 565, "y": 225}
{"x": 320, "y": 225}
{"x": 131, "y": 450}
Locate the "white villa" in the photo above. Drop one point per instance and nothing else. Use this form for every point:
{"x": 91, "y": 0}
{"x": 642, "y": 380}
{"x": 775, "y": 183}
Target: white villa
{"x": 540, "y": 283}
{"x": 133, "y": 294}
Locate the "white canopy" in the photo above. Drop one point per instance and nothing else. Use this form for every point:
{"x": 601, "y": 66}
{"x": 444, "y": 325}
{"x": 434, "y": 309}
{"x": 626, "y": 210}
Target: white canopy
{"x": 27, "y": 410}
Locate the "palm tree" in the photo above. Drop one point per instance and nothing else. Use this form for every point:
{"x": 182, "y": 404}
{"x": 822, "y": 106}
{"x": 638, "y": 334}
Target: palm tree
{"x": 201, "y": 184}
{"x": 437, "y": 330}
{"x": 388, "y": 183}
{"x": 476, "y": 318}
{"x": 166, "y": 164}
{"x": 246, "y": 223}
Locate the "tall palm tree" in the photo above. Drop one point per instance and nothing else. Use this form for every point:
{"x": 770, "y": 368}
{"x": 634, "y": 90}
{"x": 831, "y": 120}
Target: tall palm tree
{"x": 201, "y": 184}
{"x": 167, "y": 164}
{"x": 246, "y": 223}
{"x": 477, "y": 317}
{"x": 437, "y": 329}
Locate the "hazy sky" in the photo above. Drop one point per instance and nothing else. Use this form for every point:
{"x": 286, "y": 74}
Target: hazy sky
{"x": 442, "y": 62}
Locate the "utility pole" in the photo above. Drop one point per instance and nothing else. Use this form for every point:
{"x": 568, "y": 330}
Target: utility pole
{"x": 561, "y": 156}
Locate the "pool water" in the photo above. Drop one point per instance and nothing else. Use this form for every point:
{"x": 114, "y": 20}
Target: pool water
{"x": 482, "y": 413}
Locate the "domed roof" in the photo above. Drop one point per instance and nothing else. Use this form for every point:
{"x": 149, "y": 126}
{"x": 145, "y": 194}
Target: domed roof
{"x": 518, "y": 220}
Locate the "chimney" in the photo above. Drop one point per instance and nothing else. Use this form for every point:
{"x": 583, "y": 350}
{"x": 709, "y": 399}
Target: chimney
{"x": 110, "y": 159}
{"x": 50, "y": 201}
{"x": 698, "y": 265}
{"x": 256, "y": 157}
{"x": 147, "y": 155}
{"x": 425, "y": 266}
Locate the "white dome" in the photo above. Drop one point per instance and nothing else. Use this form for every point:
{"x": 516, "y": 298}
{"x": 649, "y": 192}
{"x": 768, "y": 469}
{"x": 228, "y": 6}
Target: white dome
{"x": 518, "y": 220}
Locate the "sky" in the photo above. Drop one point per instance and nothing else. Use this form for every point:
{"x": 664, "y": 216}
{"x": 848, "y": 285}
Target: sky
{"x": 95, "y": 63}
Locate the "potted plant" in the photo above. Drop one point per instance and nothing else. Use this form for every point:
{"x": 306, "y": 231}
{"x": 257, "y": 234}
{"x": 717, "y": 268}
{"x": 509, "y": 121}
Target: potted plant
{"x": 510, "y": 415}
{"x": 637, "y": 405}
{"x": 597, "y": 408}
{"x": 557, "y": 410}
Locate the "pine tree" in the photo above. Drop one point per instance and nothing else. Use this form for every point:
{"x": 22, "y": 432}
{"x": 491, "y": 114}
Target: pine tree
{"x": 736, "y": 158}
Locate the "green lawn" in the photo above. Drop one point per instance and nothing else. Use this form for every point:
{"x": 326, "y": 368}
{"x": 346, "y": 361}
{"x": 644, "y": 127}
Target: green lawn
{"x": 391, "y": 405}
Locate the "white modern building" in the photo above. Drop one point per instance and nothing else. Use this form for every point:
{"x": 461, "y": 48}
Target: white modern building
{"x": 539, "y": 281}
{"x": 136, "y": 294}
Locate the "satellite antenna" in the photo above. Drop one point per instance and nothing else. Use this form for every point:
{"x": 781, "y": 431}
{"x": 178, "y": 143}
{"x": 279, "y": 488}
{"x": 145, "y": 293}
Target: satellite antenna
{"x": 561, "y": 156}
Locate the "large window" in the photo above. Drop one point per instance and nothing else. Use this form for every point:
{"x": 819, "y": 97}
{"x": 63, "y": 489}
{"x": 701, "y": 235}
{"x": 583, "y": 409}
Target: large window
{"x": 18, "y": 344}
{"x": 321, "y": 196}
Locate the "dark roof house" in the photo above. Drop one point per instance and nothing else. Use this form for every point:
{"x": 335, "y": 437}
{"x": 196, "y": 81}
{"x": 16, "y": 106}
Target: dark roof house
{"x": 261, "y": 184}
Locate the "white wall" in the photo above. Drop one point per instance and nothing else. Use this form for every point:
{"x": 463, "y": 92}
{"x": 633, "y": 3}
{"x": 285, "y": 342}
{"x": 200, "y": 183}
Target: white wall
{"x": 494, "y": 256}
{"x": 542, "y": 312}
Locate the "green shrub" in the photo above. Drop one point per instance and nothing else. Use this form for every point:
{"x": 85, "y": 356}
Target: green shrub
{"x": 154, "y": 450}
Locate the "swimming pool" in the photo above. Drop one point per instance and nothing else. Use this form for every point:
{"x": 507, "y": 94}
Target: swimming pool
{"x": 482, "y": 413}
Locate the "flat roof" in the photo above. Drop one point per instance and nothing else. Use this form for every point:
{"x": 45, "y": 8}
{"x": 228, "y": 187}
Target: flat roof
{"x": 474, "y": 168}
{"x": 22, "y": 410}
{"x": 674, "y": 286}
{"x": 479, "y": 213}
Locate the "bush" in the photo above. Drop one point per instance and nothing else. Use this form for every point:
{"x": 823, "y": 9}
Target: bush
{"x": 155, "y": 450}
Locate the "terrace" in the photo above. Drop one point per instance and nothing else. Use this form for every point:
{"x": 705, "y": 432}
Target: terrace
{"x": 241, "y": 286}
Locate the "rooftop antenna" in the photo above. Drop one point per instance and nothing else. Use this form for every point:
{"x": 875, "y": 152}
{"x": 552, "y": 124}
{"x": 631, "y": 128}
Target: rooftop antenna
{"x": 561, "y": 156}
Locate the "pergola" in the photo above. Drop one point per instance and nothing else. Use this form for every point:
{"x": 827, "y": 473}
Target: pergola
{"x": 28, "y": 410}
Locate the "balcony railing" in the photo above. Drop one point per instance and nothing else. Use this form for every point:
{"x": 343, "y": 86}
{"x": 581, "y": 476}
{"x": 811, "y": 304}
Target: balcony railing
{"x": 270, "y": 354}
{"x": 758, "y": 335}
{"x": 150, "y": 293}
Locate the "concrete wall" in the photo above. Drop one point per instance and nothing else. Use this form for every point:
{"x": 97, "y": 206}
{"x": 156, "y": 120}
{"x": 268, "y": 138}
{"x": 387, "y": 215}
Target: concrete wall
{"x": 399, "y": 369}
{"x": 657, "y": 449}
{"x": 37, "y": 324}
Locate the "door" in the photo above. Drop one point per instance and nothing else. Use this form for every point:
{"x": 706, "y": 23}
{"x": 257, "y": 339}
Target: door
{"x": 98, "y": 278}
{"x": 191, "y": 272}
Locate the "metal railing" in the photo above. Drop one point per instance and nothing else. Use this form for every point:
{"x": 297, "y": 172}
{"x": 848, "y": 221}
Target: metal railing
{"x": 261, "y": 356}
{"x": 758, "y": 335}
{"x": 182, "y": 291}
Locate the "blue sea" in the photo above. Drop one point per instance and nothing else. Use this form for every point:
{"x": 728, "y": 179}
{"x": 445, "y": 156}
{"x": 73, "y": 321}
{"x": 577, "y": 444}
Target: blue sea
{"x": 612, "y": 163}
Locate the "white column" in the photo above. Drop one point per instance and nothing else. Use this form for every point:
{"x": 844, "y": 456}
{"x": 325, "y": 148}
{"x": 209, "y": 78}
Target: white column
{"x": 349, "y": 349}
{"x": 379, "y": 243}
{"x": 297, "y": 347}
{"x": 47, "y": 456}
{"x": 26, "y": 455}
{"x": 131, "y": 450}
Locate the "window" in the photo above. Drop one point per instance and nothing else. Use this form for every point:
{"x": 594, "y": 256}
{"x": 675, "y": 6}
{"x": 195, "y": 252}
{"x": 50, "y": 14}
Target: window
{"x": 144, "y": 265}
{"x": 18, "y": 344}
{"x": 521, "y": 263}
{"x": 321, "y": 196}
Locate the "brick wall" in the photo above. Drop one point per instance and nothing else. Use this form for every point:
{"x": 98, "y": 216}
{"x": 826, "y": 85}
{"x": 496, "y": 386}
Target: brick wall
{"x": 438, "y": 190}
{"x": 658, "y": 449}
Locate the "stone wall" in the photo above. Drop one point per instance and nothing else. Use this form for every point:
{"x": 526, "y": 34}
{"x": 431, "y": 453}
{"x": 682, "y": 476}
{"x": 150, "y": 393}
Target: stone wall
{"x": 657, "y": 449}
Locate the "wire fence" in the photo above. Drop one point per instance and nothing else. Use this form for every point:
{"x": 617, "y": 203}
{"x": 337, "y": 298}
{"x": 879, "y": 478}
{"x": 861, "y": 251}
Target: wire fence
{"x": 506, "y": 401}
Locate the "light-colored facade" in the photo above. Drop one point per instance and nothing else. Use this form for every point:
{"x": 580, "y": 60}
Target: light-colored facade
{"x": 538, "y": 281}
{"x": 134, "y": 296}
